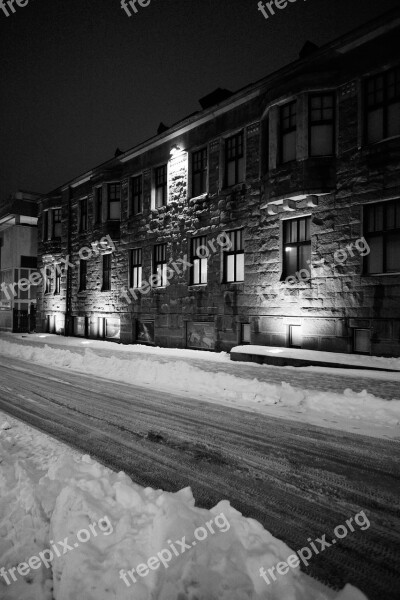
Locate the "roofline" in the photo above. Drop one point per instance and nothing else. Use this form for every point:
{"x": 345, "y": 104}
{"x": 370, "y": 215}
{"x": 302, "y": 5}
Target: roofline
{"x": 347, "y": 42}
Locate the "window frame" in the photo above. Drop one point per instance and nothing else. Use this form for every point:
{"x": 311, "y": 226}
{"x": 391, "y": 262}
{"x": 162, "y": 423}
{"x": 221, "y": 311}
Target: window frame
{"x": 203, "y": 171}
{"x": 160, "y": 258}
{"x": 331, "y": 122}
{"x": 233, "y": 251}
{"x": 296, "y": 245}
{"x": 57, "y": 283}
{"x": 116, "y": 185}
{"x": 384, "y": 104}
{"x": 384, "y": 233}
{"x": 236, "y": 159}
{"x": 283, "y": 132}
{"x": 83, "y": 215}
{"x": 54, "y": 223}
{"x": 158, "y": 186}
{"x": 136, "y": 210}
{"x": 135, "y": 268}
{"x": 106, "y": 273}
{"x": 48, "y": 279}
{"x": 195, "y": 243}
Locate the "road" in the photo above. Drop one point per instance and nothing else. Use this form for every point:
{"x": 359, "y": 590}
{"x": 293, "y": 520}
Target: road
{"x": 300, "y": 481}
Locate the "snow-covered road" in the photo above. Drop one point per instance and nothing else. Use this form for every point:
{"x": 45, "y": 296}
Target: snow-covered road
{"x": 300, "y": 481}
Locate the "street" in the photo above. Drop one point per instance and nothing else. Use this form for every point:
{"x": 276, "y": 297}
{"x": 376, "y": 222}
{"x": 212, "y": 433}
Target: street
{"x": 300, "y": 481}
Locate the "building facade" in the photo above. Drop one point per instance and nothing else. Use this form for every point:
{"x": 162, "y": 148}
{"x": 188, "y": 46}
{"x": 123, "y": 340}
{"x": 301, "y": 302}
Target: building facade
{"x": 18, "y": 260}
{"x": 270, "y": 217}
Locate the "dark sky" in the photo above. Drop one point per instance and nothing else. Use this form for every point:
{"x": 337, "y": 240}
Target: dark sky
{"x": 79, "y": 77}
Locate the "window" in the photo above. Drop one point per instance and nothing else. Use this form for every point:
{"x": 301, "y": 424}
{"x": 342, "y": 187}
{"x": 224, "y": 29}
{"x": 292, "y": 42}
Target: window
{"x": 160, "y": 265}
{"x": 56, "y": 234}
{"x": 45, "y": 225}
{"x": 28, "y": 262}
{"x": 82, "y": 275}
{"x": 198, "y": 259}
{"x": 83, "y": 215}
{"x": 106, "y": 287}
{"x": 114, "y": 202}
{"x": 245, "y": 334}
{"x": 234, "y": 258}
{"x": 199, "y": 172}
{"x": 137, "y": 191}
{"x": 161, "y": 187}
{"x": 98, "y": 204}
{"x": 321, "y": 115}
{"x": 296, "y": 245}
{"x": 362, "y": 341}
{"x": 295, "y": 337}
{"x": 382, "y": 232}
{"x": 234, "y": 159}
{"x": 57, "y": 287}
{"x": 383, "y": 106}
{"x": 287, "y": 126}
{"x": 135, "y": 276}
{"x": 47, "y": 280}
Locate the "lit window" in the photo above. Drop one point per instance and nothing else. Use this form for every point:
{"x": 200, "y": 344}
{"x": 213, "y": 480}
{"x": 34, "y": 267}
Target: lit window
{"x": 83, "y": 215}
{"x": 82, "y": 275}
{"x": 161, "y": 187}
{"x": 114, "y": 202}
{"x": 234, "y": 258}
{"x": 56, "y": 223}
{"x": 297, "y": 245}
{"x": 234, "y": 159}
{"x": 287, "y": 122}
{"x": 382, "y": 232}
{"x": 199, "y": 251}
{"x": 383, "y": 106}
{"x": 160, "y": 265}
{"x": 135, "y": 277}
{"x": 199, "y": 172}
{"x": 321, "y": 124}
{"x": 106, "y": 287}
{"x": 137, "y": 191}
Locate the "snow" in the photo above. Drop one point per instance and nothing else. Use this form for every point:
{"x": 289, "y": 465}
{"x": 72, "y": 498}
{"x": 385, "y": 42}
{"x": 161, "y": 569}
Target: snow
{"x": 48, "y": 493}
{"x": 216, "y": 387}
{"x": 354, "y": 360}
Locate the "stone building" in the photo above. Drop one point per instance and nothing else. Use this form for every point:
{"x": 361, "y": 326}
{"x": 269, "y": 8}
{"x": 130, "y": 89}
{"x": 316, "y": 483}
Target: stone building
{"x": 289, "y": 187}
{"x": 18, "y": 260}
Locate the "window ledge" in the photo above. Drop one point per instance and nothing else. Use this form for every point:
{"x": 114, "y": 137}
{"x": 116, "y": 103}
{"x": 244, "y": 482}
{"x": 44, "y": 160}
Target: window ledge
{"x": 375, "y": 144}
{"x": 380, "y": 274}
{"x": 195, "y": 286}
{"x": 199, "y": 198}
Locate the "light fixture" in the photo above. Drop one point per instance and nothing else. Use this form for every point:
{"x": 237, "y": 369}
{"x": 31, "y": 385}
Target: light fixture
{"x": 175, "y": 150}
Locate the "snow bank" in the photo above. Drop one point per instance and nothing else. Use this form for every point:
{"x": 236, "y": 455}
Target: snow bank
{"x": 184, "y": 377}
{"x": 39, "y": 509}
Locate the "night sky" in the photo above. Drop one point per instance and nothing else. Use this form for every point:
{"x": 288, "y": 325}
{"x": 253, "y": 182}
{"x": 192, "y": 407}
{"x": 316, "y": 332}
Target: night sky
{"x": 79, "y": 78}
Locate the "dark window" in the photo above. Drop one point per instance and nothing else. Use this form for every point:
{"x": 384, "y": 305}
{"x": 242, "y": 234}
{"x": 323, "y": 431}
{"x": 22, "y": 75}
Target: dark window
{"x": 137, "y": 193}
{"x": 98, "y": 202}
{"x": 106, "y": 287}
{"x": 199, "y": 172}
{"x": 57, "y": 287}
{"x": 296, "y": 246}
{"x": 135, "y": 276}
{"x": 160, "y": 265}
{"x": 82, "y": 275}
{"x": 321, "y": 117}
{"x": 45, "y": 225}
{"x": 161, "y": 187}
{"x": 198, "y": 259}
{"x": 47, "y": 280}
{"x": 287, "y": 128}
{"x": 28, "y": 262}
{"x": 56, "y": 223}
{"x": 234, "y": 257}
{"x": 362, "y": 341}
{"x": 114, "y": 202}
{"x": 83, "y": 215}
{"x": 234, "y": 159}
{"x": 383, "y": 106}
{"x": 382, "y": 232}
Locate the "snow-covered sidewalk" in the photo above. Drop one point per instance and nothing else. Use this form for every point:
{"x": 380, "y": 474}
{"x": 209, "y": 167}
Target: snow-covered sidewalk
{"x": 51, "y": 496}
{"x": 209, "y": 377}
